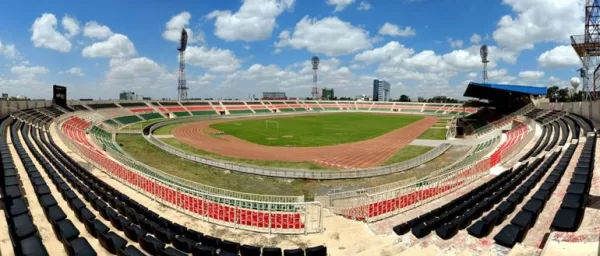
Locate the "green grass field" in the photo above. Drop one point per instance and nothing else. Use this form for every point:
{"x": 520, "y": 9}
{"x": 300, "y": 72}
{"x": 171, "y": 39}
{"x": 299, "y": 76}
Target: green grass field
{"x": 318, "y": 130}
{"x": 434, "y": 134}
{"x": 406, "y": 153}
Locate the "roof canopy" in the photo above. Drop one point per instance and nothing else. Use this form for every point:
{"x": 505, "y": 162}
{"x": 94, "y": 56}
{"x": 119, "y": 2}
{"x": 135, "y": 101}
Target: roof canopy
{"x": 500, "y": 91}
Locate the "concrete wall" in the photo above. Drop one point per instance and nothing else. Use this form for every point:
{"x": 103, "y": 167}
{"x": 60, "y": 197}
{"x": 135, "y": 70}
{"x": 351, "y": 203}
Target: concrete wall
{"x": 10, "y": 106}
{"x": 589, "y": 110}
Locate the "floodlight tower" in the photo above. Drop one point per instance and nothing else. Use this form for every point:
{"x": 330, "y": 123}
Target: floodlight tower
{"x": 315, "y": 67}
{"x": 182, "y": 82}
{"x": 483, "y": 51}
{"x": 587, "y": 47}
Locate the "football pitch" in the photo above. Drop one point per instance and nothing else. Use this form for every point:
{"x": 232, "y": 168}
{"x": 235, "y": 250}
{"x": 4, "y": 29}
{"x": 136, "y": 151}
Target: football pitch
{"x": 315, "y": 130}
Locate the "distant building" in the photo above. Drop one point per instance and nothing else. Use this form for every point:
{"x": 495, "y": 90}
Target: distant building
{"x": 381, "y": 90}
{"x": 362, "y": 98}
{"x": 146, "y": 98}
{"x": 127, "y": 96}
{"x": 4, "y": 96}
{"x": 327, "y": 94}
{"x": 274, "y": 96}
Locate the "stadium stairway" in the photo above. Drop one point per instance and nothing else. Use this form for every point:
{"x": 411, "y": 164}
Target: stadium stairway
{"x": 113, "y": 222}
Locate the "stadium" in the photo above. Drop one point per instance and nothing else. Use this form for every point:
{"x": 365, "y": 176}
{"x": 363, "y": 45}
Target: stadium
{"x": 509, "y": 171}
{"x": 116, "y": 176}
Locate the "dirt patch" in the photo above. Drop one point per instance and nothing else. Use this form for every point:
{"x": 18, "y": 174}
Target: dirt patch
{"x": 271, "y": 138}
{"x": 362, "y": 154}
{"x": 287, "y": 136}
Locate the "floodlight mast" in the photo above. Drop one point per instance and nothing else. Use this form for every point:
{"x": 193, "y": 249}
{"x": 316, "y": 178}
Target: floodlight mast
{"x": 315, "y": 67}
{"x": 483, "y": 51}
{"x": 182, "y": 82}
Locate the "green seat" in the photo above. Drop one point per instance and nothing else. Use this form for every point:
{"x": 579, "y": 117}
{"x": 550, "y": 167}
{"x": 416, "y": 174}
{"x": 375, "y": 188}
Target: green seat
{"x": 264, "y": 110}
{"x": 286, "y": 109}
{"x": 204, "y": 113}
{"x": 300, "y": 109}
{"x": 111, "y": 122}
{"x": 248, "y": 111}
{"x": 182, "y": 113}
{"x": 128, "y": 119}
{"x": 150, "y": 116}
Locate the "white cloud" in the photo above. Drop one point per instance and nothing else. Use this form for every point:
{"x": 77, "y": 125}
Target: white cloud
{"x": 212, "y": 59}
{"x": 364, "y": 6}
{"x": 25, "y": 70}
{"x": 471, "y": 75}
{"x": 176, "y": 23}
{"x": 455, "y": 43}
{"x": 392, "y": 50}
{"x": 95, "y": 30}
{"x": 76, "y": 71}
{"x": 44, "y": 34}
{"x": 203, "y": 80}
{"x": 254, "y": 21}
{"x": 116, "y": 46}
{"x": 141, "y": 75}
{"x": 295, "y": 80}
{"x": 560, "y": 56}
{"x": 539, "y": 21}
{"x": 71, "y": 25}
{"x": 475, "y": 39}
{"x": 330, "y": 36}
{"x": 390, "y": 29}
{"x": 8, "y": 50}
{"x": 531, "y": 75}
{"x": 340, "y": 4}
{"x": 500, "y": 76}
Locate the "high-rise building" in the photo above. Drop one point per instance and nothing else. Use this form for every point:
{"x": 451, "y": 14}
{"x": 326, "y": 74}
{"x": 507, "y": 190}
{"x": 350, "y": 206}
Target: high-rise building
{"x": 127, "y": 96}
{"x": 327, "y": 94}
{"x": 381, "y": 90}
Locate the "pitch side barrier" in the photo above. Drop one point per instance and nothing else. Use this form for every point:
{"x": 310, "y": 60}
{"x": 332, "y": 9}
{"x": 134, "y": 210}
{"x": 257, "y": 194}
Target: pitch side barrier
{"x": 376, "y": 206}
{"x": 293, "y": 173}
{"x": 258, "y": 216}
{"x": 153, "y": 172}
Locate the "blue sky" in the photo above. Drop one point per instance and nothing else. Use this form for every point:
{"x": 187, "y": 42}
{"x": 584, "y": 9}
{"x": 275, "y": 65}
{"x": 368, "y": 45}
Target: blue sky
{"x": 422, "y": 47}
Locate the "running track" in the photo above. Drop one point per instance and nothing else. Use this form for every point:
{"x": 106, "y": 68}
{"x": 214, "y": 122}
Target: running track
{"x": 361, "y": 154}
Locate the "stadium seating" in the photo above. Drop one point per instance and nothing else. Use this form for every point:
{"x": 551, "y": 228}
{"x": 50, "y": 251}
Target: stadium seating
{"x": 150, "y": 116}
{"x": 128, "y": 119}
{"x": 569, "y": 216}
{"x": 122, "y": 214}
{"x": 193, "y": 204}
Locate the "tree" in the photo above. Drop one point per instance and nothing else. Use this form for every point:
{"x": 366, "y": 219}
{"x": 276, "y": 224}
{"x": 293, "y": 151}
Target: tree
{"x": 404, "y": 98}
{"x": 421, "y": 99}
{"x": 552, "y": 93}
{"x": 562, "y": 95}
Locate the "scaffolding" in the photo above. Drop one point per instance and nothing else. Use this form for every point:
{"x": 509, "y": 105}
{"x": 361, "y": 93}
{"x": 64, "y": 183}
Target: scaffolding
{"x": 587, "y": 46}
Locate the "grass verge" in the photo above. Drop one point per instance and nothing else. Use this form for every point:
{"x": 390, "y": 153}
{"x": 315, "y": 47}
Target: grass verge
{"x": 406, "y": 153}
{"x": 434, "y": 134}
{"x": 143, "y": 151}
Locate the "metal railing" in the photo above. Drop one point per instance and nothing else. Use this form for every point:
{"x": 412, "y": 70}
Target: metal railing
{"x": 300, "y": 173}
{"x": 362, "y": 205}
{"x": 309, "y": 213}
{"x": 502, "y": 121}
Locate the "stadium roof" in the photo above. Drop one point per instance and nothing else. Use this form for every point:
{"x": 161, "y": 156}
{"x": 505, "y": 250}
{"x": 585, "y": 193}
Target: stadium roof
{"x": 494, "y": 91}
